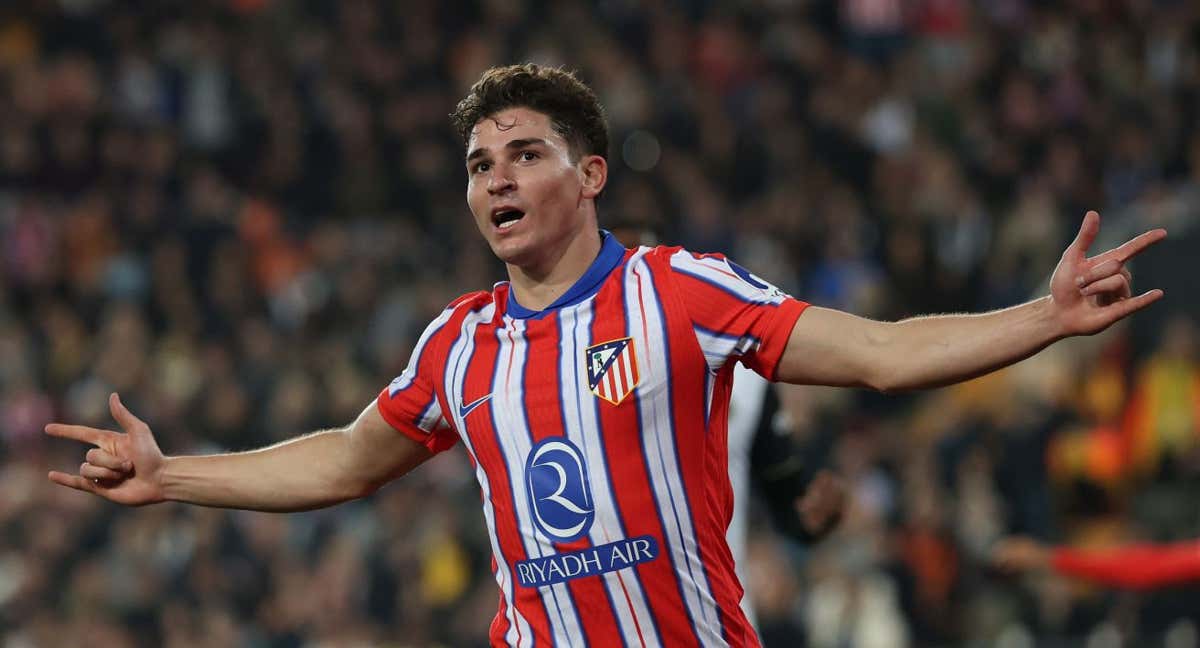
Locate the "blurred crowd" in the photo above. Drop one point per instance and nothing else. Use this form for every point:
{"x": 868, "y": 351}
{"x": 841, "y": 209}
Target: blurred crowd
{"x": 239, "y": 213}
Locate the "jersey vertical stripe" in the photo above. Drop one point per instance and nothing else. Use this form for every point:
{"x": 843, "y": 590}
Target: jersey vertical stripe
{"x": 709, "y": 382}
{"x": 481, "y": 380}
{"x": 544, "y": 418}
{"x": 600, "y": 621}
{"x": 658, "y": 432}
{"x": 624, "y": 594}
{"x": 502, "y": 626}
{"x": 496, "y": 631}
{"x": 520, "y": 633}
{"x": 656, "y": 589}
{"x": 513, "y": 441}
{"x": 704, "y": 504}
{"x": 703, "y": 466}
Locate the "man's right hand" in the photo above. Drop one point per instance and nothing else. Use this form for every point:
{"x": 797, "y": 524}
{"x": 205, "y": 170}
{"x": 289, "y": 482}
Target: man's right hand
{"x": 123, "y": 467}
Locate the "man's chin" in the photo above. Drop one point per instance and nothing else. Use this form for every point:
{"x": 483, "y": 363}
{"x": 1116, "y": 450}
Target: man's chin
{"x": 513, "y": 252}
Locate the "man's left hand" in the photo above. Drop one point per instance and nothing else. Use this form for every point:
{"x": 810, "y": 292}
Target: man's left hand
{"x": 1089, "y": 294}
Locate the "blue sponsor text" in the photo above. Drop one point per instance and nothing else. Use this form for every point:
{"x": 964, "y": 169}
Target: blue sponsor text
{"x": 539, "y": 572}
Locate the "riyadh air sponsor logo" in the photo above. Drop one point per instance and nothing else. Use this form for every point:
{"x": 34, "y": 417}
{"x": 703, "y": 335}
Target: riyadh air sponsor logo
{"x": 540, "y": 572}
{"x": 559, "y": 492}
{"x": 612, "y": 369}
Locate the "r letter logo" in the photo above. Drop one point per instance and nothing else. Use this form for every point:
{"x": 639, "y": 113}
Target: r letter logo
{"x": 559, "y": 492}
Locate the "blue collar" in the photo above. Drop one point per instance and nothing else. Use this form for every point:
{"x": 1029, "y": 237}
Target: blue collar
{"x": 610, "y": 256}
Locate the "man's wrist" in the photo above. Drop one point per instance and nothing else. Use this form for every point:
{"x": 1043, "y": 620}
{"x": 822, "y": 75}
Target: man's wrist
{"x": 168, "y": 481}
{"x": 1049, "y": 318}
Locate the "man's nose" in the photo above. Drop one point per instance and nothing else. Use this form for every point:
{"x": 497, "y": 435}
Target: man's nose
{"x": 500, "y": 180}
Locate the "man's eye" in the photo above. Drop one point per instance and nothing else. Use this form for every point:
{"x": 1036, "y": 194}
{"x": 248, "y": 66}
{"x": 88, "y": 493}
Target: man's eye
{"x": 527, "y": 156}
{"x": 482, "y": 167}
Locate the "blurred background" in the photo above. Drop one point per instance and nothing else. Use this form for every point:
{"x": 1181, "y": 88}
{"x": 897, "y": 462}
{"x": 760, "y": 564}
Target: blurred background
{"x": 240, "y": 213}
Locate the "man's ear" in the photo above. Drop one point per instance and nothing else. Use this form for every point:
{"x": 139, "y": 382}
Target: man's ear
{"x": 595, "y": 175}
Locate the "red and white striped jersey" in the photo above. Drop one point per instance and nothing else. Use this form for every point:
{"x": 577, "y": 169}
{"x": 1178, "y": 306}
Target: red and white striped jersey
{"x": 597, "y": 431}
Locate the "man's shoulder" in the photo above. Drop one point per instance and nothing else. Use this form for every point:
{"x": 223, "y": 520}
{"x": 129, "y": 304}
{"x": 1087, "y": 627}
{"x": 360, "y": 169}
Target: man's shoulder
{"x": 678, "y": 254}
{"x": 670, "y": 255}
{"x": 472, "y": 300}
{"x": 676, "y": 259}
{"x": 459, "y": 308}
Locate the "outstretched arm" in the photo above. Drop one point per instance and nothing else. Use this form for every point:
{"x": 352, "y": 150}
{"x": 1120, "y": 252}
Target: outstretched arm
{"x": 1142, "y": 566}
{"x": 312, "y": 471}
{"x": 1087, "y": 295}
{"x": 1138, "y": 566}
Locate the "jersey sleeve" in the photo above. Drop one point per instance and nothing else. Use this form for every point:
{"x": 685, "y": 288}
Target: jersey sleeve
{"x": 1141, "y": 566}
{"x": 410, "y": 403}
{"x": 735, "y": 314}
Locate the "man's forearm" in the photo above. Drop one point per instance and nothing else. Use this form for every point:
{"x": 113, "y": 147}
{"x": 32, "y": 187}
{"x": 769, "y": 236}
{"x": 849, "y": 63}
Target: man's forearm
{"x": 940, "y": 350}
{"x": 301, "y": 474}
{"x": 1087, "y": 295}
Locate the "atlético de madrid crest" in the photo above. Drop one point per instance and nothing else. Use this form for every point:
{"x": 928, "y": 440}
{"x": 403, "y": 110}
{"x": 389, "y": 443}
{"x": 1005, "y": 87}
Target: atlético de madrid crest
{"x": 612, "y": 369}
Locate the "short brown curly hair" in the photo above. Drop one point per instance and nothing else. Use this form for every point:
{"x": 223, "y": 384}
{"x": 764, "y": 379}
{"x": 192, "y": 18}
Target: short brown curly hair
{"x": 574, "y": 111}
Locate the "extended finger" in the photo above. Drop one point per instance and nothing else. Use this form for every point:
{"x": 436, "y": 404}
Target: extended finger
{"x": 89, "y": 471}
{"x": 72, "y": 481}
{"x": 122, "y": 414}
{"x": 1116, "y": 283}
{"x": 83, "y": 433}
{"x": 1133, "y": 246}
{"x": 1087, "y": 234}
{"x": 105, "y": 459}
{"x": 1127, "y": 307}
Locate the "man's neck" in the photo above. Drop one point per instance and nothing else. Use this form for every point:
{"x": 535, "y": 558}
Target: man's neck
{"x": 537, "y": 288}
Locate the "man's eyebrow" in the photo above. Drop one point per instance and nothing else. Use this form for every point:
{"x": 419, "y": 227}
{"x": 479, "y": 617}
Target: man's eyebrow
{"x": 512, "y": 144}
{"x": 522, "y": 143}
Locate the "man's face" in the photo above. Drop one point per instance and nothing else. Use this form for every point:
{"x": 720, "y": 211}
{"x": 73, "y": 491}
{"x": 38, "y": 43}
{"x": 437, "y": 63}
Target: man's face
{"x": 523, "y": 187}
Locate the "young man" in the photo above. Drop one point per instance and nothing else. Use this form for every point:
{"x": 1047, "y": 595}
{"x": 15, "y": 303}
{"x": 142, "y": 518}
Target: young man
{"x": 590, "y": 389}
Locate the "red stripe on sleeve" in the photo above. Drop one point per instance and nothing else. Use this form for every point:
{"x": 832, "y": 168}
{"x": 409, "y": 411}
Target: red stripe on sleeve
{"x": 716, "y": 309}
{"x": 777, "y": 332}
{"x": 435, "y": 442}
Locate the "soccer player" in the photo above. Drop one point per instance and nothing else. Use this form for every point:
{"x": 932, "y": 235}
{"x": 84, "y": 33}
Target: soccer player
{"x": 590, "y": 389}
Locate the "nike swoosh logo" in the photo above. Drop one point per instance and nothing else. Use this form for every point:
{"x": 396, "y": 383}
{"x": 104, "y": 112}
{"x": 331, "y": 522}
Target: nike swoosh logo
{"x": 463, "y": 410}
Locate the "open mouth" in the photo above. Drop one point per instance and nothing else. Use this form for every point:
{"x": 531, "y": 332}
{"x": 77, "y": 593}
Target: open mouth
{"x": 506, "y": 218}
